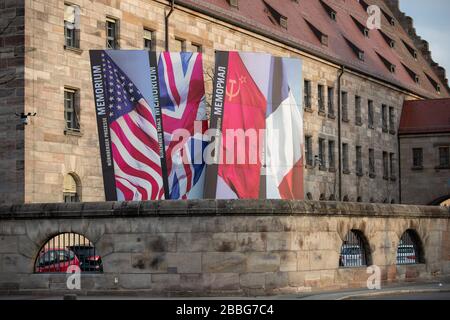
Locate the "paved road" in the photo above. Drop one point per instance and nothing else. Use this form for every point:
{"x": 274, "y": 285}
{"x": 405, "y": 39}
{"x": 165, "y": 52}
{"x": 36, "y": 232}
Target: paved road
{"x": 410, "y": 296}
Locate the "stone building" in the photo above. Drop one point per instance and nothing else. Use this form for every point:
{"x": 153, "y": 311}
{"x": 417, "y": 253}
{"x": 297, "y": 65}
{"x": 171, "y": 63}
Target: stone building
{"x": 424, "y": 136}
{"x": 356, "y": 81}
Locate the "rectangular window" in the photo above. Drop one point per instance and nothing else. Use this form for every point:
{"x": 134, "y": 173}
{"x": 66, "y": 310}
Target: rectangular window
{"x": 331, "y": 102}
{"x": 344, "y": 106}
{"x": 370, "y": 111}
{"x": 444, "y": 157}
{"x": 345, "y": 166}
{"x": 307, "y": 94}
{"x": 197, "y": 48}
{"x": 70, "y": 110}
{"x": 392, "y": 165}
{"x": 392, "y": 125}
{"x": 385, "y": 165}
{"x": 71, "y": 22}
{"x": 180, "y": 45}
{"x": 331, "y": 162}
{"x": 358, "y": 118}
{"x": 372, "y": 163}
{"x": 322, "y": 165}
{"x": 149, "y": 40}
{"x": 384, "y": 118}
{"x": 320, "y": 98}
{"x": 308, "y": 151}
{"x": 359, "y": 167}
{"x": 417, "y": 158}
{"x": 112, "y": 33}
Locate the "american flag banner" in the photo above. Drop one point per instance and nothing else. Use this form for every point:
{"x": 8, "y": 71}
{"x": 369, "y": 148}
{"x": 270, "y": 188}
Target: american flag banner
{"x": 127, "y": 132}
{"x": 182, "y": 101}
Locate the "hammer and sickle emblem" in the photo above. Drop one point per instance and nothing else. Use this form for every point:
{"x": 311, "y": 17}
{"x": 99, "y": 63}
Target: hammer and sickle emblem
{"x": 234, "y": 92}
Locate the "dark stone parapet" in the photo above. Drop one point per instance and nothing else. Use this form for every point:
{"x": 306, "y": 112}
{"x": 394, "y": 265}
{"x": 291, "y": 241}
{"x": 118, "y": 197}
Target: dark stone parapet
{"x": 214, "y": 208}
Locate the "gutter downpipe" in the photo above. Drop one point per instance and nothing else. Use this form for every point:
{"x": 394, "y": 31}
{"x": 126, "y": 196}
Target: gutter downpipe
{"x": 166, "y": 22}
{"x": 342, "y": 70}
{"x": 399, "y": 169}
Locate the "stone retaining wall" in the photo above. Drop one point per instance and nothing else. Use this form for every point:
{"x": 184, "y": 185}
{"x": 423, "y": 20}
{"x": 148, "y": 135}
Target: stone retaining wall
{"x": 220, "y": 247}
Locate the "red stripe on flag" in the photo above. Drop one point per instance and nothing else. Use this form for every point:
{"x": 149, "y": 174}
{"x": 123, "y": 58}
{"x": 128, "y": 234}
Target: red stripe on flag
{"x": 171, "y": 78}
{"x": 291, "y": 187}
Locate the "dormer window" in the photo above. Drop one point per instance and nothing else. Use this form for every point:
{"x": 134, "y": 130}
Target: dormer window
{"x": 359, "y": 53}
{"x": 233, "y": 3}
{"x": 434, "y": 83}
{"x": 331, "y": 12}
{"x": 366, "y": 32}
{"x": 412, "y": 74}
{"x": 277, "y": 16}
{"x": 389, "y": 40}
{"x": 388, "y": 17}
{"x": 390, "y": 66}
{"x": 361, "y": 27}
{"x": 323, "y": 38}
{"x": 411, "y": 50}
{"x": 283, "y": 22}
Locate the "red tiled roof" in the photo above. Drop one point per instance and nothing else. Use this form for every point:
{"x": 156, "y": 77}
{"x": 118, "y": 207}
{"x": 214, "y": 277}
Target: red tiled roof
{"x": 252, "y": 14}
{"x": 425, "y": 116}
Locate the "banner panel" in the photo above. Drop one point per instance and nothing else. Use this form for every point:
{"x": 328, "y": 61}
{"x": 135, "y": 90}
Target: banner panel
{"x": 258, "y": 117}
{"x": 144, "y": 105}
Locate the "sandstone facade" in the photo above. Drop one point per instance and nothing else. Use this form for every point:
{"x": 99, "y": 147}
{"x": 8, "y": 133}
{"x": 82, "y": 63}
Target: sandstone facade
{"x": 36, "y": 157}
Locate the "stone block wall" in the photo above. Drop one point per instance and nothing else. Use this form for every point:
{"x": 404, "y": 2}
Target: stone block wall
{"x": 220, "y": 247}
{"x": 414, "y": 179}
{"x": 12, "y": 86}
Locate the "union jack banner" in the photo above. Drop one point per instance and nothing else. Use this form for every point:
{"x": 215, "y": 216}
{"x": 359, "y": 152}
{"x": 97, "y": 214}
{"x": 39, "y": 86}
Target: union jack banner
{"x": 127, "y": 131}
{"x": 182, "y": 101}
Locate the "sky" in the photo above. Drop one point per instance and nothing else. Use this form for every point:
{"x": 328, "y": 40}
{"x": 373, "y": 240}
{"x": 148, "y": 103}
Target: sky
{"x": 432, "y": 23}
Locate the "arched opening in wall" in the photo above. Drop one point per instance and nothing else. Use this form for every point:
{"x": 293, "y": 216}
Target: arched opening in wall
{"x": 72, "y": 188}
{"x": 393, "y": 201}
{"x": 355, "y": 250}
{"x": 385, "y": 200}
{"x": 68, "y": 250}
{"x": 346, "y": 199}
{"x": 309, "y": 196}
{"x": 410, "y": 248}
{"x": 359, "y": 199}
{"x": 332, "y": 197}
{"x": 322, "y": 197}
{"x": 371, "y": 200}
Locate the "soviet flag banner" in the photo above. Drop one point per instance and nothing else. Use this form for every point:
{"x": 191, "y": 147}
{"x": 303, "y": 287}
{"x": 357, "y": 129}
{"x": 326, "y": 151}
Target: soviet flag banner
{"x": 135, "y": 92}
{"x": 256, "y": 149}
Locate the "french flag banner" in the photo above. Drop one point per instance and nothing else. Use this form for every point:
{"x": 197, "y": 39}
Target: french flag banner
{"x": 256, "y": 108}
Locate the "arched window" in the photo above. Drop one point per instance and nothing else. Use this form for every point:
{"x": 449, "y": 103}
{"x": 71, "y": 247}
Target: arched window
{"x": 393, "y": 201}
{"x": 72, "y": 188}
{"x": 309, "y": 196}
{"x": 68, "y": 250}
{"x": 359, "y": 199}
{"x": 385, "y": 200}
{"x": 332, "y": 197}
{"x": 346, "y": 199}
{"x": 322, "y": 197}
{"x": 410, "y": 249}
{"x": 371, "y": 200}
{"x": 355, "y": 250}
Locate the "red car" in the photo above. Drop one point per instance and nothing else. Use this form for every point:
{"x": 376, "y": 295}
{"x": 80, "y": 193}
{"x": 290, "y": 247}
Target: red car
{"x": 56, "y": 260}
